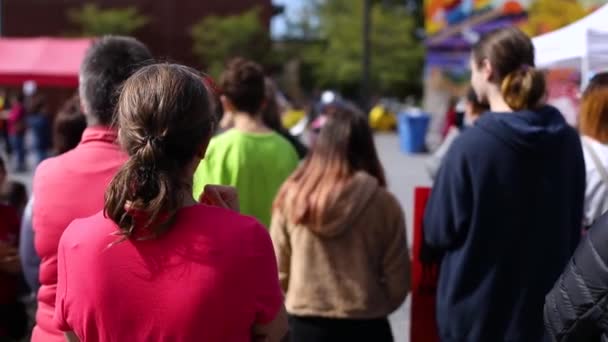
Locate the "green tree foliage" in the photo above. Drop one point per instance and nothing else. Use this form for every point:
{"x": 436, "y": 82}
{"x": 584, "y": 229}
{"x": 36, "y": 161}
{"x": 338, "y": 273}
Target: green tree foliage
{"x": 396, "y": 54}
{"x": 94, "y": 21}
{"x": 218, "y": 39}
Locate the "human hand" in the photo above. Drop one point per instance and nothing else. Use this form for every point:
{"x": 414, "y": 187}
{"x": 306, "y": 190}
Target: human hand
{"x": 221, "y": 196}
{"x": 10, "y": 265}
{"x": 7, "y": 250}
{"x": 9, "y": 259}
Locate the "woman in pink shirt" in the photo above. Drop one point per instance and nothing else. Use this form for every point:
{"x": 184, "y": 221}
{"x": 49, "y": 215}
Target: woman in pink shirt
{"x": 156, "y": 265}
{"x": 16, "y": 130}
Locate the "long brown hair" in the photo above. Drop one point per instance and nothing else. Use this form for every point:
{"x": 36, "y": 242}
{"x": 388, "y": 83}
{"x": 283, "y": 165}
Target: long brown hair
{"x": 344, "y": 146}
{"x": 511, "y": 54}
{"x": 164, "y": 117}
{"x": 594, "y": 109}
{"x": 243, "y": 83}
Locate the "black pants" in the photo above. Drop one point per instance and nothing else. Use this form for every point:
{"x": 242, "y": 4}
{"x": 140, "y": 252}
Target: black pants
{"x": 318, "y": 329}
{"x": 13, "y": 321}
{"x": 4, "y": 137}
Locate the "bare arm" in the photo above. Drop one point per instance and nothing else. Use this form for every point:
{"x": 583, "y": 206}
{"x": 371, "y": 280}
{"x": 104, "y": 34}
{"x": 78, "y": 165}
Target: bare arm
{"x": 9, "y": 259}
{"x": 273, "y": 331}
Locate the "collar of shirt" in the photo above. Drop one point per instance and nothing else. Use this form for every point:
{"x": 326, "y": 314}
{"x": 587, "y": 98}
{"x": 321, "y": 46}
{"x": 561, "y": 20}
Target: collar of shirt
{"x": 99, "y": 133}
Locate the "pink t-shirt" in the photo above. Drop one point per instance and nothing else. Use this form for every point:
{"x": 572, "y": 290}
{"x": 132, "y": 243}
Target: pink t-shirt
{"x": 16, "y": 115}
{"x": 211, "y": 277}
{"x": 68, "y": 187}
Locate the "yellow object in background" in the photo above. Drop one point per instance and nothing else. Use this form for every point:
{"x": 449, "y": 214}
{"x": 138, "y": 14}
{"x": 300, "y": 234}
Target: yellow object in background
{"x": 380, "y": 119}
{"x": 292, "y": 117}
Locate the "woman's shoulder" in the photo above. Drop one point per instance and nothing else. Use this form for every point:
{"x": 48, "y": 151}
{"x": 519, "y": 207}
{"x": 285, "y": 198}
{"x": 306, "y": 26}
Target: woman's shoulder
{"x": 598, "y": 147}
{"x": 229, "y": 223}
{"x": 90, "y": 229}
{"x": 386, "y": 203}
{"x": 207, "y": 213}
{"x": 466, "y": 143}
{"x": 383, "y": 195}
{"x": 473, "y": 135}
{"x": 243, "y": 235}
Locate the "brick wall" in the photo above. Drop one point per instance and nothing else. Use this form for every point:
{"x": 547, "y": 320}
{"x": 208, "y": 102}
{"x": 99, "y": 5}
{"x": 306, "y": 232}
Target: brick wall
{"x": 167, "y": 34}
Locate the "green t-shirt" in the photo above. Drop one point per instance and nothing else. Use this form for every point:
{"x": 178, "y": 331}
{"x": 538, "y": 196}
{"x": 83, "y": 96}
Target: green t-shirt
{"x": 256, "y": 164}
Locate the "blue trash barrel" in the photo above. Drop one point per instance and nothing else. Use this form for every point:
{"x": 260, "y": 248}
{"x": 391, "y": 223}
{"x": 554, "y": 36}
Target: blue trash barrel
{"x": 412, "y": 131}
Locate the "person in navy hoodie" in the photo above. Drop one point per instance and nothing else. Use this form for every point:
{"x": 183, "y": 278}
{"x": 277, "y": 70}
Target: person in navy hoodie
{"x": 505, "y": 213}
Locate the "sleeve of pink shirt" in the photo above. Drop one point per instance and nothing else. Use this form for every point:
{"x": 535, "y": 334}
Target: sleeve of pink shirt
{"x": 268, "y": 294}
{"x": 60, "y": 298}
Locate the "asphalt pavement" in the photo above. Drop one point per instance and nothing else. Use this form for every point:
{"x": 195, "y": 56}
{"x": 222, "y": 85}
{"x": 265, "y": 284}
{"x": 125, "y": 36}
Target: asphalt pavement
{"x": 404, "y": 173}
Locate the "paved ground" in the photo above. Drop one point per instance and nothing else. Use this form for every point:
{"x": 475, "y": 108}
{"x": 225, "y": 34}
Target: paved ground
{"x": 404, "y": 173}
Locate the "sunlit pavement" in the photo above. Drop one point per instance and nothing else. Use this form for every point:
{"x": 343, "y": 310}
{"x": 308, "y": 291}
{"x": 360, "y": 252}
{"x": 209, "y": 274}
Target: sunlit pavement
{"x": 404, "y": 173}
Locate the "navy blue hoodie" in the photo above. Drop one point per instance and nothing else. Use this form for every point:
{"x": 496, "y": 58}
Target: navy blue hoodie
{"x": 505, "y": 216}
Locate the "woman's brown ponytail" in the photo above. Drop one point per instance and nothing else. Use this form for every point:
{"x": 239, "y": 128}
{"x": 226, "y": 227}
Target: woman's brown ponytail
{"x": 510, "y": 52}
{"x": 164, "y": 117}
{"x": 523, "y": 88}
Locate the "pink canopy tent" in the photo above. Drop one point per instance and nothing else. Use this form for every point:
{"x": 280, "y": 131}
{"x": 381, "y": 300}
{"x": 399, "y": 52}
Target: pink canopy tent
{"x": 47, "y": 61}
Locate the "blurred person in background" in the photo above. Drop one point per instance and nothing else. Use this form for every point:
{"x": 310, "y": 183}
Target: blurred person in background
{"x": 13, "y": 317}
{"x": 72, "y": 185}
{"x": 184, "y": 271}
{"x": 593, "y": 127}
{"x": 249, "y": 156}
{"x": 328, "y": 103}
{"x": 4, "y": 123}
{"x": 340, "y": 240}
{"x": 473, "y": 109}
{"x": 14, "y": 193}
{"x": 39, "y": 123}
{"x": 575, "y": 310}
{"x": 16, "y": 123}
{"x": 271, "y": 116}
{"x": 451, "y": 116}
{"x": 506, "y": 209}
{"x": 576, "y": 307}
{"x": 68, "y": 127}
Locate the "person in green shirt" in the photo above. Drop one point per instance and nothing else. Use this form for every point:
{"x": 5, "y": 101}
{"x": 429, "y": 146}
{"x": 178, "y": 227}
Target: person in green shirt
{"x": 249, "y": 156}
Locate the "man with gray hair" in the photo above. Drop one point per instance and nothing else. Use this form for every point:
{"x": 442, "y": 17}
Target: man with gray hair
{"x": 72, "y": 185}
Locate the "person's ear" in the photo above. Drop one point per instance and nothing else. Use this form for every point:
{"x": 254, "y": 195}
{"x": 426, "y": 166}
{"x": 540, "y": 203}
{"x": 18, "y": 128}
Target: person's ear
{"x": 226, "y": 104}
{"x": 487, "y": 70}
{"x": 83, "y": 105}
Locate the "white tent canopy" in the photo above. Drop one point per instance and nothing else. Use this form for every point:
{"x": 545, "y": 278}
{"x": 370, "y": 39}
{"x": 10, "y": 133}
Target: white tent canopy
{"x": 582, "y": 44}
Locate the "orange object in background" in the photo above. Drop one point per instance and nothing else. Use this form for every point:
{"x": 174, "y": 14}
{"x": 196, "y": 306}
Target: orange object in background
{"x": 512, "y": 7}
